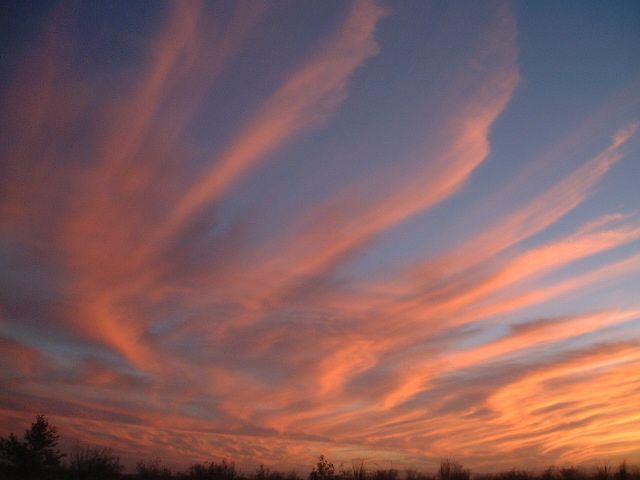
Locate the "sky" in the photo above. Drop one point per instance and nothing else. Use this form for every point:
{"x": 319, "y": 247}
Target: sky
{"x": 382, "y": 231}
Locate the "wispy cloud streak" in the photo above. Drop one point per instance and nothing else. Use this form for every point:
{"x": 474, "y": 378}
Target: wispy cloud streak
{"x": 306, "y": 99}
{"x": 148, "y": 304}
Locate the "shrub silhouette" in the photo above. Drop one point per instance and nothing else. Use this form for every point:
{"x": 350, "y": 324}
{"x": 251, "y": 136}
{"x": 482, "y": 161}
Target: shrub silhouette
{"x": 93, "y": 464}
{"x": 389, "y": 474}
{"x": 515, "y": 475}
{"x": 263, "y": 473}
{"x": 452, "y": 470}
{"x": 324, "y": 470}
{"x": 411, "y": 474}
{"x": 35, "y": 457}
{"x": 548, "y": 473}
{"x": 570, "y": 473}
{"x": 623, "y": 472}
{"x": 152, "y": 471}
{"x": 603, "y": 472}
{"x": 508, "y": 475}
{"x": 213, "y": 471}
{"x": 358, "y": 472}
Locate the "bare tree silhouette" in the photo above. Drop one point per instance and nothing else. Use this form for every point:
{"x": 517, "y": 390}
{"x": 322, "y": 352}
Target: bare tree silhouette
{"x": 94, "y": 464}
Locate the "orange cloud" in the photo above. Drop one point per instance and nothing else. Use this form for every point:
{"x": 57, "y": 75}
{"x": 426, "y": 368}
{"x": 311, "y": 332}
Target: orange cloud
{"x": 543, "y": 210}
{"x": 310, "y": 96}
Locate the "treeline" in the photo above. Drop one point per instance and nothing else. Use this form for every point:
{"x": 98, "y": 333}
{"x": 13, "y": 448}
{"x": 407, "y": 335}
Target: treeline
{"x": 36, "y": 457}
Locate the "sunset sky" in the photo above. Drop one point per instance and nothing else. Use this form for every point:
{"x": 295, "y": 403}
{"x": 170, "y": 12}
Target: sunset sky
{"x": 395, "y": 231}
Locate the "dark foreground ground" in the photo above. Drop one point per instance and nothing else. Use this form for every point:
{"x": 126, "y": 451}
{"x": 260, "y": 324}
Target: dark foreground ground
{"x": 35, "y": 456}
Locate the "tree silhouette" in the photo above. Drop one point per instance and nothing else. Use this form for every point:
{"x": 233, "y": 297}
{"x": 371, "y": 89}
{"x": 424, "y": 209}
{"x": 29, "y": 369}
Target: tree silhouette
{"x": 36, "y": 456}
{"x": 94, "y": 464}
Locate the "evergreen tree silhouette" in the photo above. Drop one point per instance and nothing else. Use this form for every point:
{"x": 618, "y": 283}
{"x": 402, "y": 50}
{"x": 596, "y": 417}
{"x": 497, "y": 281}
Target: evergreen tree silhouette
{"x": 35, "y": 457}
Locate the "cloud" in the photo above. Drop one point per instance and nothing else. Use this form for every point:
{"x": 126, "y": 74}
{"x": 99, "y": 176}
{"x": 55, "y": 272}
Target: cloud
{"x": 350, "y": 220}
{"x": 306, "y": 99}
{"x": 543, "y": 210}
{"x": 140, "y": 310}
